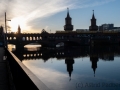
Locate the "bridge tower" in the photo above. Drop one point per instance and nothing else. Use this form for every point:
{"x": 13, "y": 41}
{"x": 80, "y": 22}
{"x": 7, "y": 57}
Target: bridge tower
{"x": 68, "y": 24}
{"x": 19, "y": 39}
{"x": 93, "y": 26}
{"x": 19, "y": 29}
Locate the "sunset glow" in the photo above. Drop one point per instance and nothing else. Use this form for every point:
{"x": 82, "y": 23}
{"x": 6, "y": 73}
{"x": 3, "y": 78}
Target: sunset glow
{"x": 50, "y": 14}
{"x": 18, "y": 21}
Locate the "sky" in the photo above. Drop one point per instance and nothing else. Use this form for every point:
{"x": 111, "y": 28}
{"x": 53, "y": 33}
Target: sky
{"x": 35, "y": 15}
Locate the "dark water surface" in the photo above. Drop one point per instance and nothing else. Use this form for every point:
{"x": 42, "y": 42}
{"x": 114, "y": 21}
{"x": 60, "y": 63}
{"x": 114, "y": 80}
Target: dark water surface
{"x": 74, "y": 68}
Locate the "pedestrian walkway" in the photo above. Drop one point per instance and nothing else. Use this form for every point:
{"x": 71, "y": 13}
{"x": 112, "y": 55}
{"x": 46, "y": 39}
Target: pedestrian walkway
{"x": 5, "y": 79}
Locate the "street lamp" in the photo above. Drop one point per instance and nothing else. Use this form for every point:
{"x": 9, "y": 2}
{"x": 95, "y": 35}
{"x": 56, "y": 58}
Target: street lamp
{"x": 6, "y": 23}
{"x": 6, "y": 30}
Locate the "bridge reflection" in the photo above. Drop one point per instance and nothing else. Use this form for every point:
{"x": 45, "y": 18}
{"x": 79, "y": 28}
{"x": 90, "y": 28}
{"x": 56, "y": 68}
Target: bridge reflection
{"x": 105, "y": 53}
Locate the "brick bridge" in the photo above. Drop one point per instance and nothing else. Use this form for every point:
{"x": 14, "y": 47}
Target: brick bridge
{"x": 69, "y": 38}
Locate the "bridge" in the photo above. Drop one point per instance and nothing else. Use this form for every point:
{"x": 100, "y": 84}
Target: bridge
{"x": 69, "y": 38}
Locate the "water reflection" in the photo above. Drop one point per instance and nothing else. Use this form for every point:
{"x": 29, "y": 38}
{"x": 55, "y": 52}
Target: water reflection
{"x": 105, "y": 53}
{"x": 86, "y": 64}
{"x": 69, "y": 63}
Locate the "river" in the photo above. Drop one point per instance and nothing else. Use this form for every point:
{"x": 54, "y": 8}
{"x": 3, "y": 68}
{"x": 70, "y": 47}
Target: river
{"x": 73, "y": 68}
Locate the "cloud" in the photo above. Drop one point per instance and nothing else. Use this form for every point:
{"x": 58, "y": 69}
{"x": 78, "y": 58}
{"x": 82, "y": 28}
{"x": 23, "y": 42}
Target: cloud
{"x": 26, "y": 11}
{"x": 91, "y": 3}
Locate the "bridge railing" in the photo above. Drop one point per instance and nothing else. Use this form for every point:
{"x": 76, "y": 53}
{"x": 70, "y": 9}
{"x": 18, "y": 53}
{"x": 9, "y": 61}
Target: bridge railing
{"x": 23, "y": 78}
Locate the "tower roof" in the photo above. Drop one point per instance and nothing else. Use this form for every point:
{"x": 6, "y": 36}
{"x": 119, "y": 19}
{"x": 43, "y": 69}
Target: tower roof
{"x": 68, "y": 16}
{"x": 93, "y": 17}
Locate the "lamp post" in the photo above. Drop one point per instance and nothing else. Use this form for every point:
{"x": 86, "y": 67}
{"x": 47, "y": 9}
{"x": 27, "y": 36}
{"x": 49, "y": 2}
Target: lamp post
{"x": 6, "y": 30}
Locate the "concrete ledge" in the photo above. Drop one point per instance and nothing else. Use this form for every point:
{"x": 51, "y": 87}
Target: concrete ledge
{"x": 25, "y": 78}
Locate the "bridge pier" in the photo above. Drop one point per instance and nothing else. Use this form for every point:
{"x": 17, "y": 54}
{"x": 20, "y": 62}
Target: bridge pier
{"x": 19, "y": 46}
{"x": 49, "y": 44}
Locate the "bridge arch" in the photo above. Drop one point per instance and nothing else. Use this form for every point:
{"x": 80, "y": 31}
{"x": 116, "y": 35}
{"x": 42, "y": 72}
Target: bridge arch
{"x": 68, "y": 43}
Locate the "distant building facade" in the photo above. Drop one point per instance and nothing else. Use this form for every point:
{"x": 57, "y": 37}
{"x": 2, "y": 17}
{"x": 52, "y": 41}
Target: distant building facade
{"x": 108, "y": 27}
{"x": 93, "y": 26}
{"x": 68, "y": 22}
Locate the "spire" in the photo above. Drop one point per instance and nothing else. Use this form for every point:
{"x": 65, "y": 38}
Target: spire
{"x": 68, "y": 16}
{"x": 68, "y": 23}
{"x": 93, "y": 26}
{"x": 19, "y": 29}
{"x": 93, "y": 17}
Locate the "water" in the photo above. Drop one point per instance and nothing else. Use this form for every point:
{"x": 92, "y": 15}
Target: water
{"x": 74, "y": 68}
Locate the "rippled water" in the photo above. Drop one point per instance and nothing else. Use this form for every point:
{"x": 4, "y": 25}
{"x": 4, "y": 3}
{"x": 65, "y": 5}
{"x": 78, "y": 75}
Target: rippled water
{"x": 75, "y": 68}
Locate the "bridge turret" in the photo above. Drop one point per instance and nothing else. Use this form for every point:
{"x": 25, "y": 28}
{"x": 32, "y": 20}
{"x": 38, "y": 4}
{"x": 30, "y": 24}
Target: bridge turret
{"x": 19, "y": 29}
{"x": 68, "y": 24}
{"x": 93, "y": 26}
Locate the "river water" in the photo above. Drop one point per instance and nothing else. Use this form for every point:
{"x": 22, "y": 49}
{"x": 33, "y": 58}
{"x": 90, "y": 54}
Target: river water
{"x": 73, "y": 68}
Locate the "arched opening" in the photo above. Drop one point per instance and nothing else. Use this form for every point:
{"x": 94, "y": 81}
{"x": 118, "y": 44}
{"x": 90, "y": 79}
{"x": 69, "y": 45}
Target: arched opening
{"x": 23, "y": 38}
{"x": 7, "y": 38}
{"x": 61, "y": 44}
{"x": 40, "y": 38}
{"x": 10, "y": 38}
{"x": 33, "y": 38}
{"x": 27, "y": 38}
{"x": 30, "y": 38}
{"x": 14, "y": 38}
{"x": 11, "y": 47}
{"x": 37, "y": 38}
{"x": 32, "y": 47}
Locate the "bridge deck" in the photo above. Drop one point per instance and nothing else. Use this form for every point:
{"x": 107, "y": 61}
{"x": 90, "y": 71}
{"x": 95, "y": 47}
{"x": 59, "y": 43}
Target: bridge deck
{"x": 5, "y": 81}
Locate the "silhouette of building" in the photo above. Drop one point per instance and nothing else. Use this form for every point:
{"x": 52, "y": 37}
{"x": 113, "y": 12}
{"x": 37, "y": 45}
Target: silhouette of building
{"x": 68, "y": 24}
{"x": 19, "y": 29}
{"x": 1, "y": 30}
{"x": 108, "y": 27}
{"x": 93, "y": 26}
{"x": 69, "y": 63}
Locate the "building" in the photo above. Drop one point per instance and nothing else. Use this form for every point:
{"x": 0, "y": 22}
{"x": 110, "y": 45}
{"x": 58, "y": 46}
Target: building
{"x": 19, "y": 30}
{"x": 108, "y": 27}
{"x": 68, "y": 22}
{"x": 104, "y": 27}
{"x": 93, "y": 26}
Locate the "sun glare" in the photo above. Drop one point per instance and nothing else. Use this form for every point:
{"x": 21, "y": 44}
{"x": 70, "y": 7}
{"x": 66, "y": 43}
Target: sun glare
{"x": 15, "y": 22}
